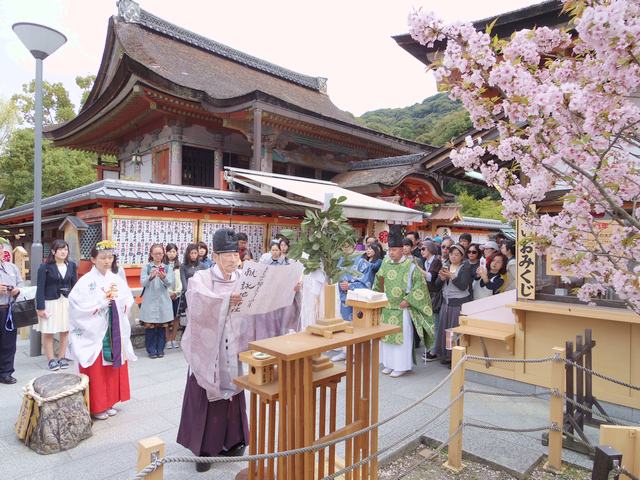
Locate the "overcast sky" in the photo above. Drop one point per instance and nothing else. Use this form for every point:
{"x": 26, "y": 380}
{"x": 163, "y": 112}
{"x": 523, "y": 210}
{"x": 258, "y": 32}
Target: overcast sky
{"x": 347, "y": 41}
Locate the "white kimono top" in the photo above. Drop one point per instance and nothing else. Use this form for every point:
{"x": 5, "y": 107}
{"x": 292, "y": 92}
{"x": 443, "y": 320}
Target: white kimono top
{"x": 88, "y": 314}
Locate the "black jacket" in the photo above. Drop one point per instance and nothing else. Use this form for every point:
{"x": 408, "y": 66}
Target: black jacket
{"x": 50, "y": 282}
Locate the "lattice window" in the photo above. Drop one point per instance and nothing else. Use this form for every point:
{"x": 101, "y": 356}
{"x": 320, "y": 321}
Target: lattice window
{"x": 89, "y": 238}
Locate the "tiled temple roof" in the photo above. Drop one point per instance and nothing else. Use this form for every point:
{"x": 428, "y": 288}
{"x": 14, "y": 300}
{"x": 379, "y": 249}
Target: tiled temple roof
{"x": 164, "y": 27}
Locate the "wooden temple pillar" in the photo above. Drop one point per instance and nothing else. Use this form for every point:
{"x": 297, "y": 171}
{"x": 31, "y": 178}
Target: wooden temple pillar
{"x": 175, "y": 163}
{"x": 257, "y": 139}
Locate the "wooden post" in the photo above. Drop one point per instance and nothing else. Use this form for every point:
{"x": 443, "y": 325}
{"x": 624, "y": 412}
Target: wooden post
{"x": 556, "y": 417}
{"x": 150, "y": 449}
{"x": 456, "y": 412}
{"x": 330, "y": 301}
{"x": 627, "y": 441}
{"x": 375, "y": 379}
{"x": 569, "y": 383}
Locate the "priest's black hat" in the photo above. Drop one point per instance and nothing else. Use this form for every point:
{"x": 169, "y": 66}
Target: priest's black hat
{"x": 395, "y": 236}
{"x": 225, "y": 240}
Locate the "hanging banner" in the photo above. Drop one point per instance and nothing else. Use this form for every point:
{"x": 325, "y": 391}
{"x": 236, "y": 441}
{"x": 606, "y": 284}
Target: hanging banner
{"x": 526, "y": 271}
{"x": 265, "y": 288}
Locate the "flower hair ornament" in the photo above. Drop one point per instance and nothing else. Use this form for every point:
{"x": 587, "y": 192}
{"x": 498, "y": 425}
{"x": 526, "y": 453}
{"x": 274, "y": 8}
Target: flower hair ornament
{"x": 106, "y": 245}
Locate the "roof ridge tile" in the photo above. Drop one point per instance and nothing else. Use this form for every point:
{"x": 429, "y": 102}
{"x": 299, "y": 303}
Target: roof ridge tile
{"x": 387, "y": 161}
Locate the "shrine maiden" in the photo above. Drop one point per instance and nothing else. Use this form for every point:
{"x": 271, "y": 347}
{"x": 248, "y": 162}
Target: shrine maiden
{"x": 403, "y": 283}
{"x": 100, "y": 332}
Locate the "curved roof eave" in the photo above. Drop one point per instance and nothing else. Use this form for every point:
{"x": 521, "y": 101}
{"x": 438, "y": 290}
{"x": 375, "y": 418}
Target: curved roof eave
{"x": 129, "y": 69}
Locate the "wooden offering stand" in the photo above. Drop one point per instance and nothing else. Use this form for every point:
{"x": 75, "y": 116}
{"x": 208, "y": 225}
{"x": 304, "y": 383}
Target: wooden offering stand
{"x": 304, "y": 416}
{"x": 367, "y": 314}
{"x": 328, "y": 326}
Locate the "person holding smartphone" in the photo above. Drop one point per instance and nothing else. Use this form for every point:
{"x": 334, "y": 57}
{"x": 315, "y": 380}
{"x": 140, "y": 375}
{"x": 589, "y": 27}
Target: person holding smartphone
{"x": 455, "y": 280}
{"x": 156, "y": 311}
{"x": 10, "y": 281}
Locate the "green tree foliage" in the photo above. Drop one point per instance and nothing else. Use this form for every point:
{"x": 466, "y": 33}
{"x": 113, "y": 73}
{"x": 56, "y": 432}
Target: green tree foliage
{"x": 435, "y": 121}
{"x": 56, "y": 104}
{"x": 447, "y": 128}
{"x": 62, "y": 169}
{"x": 85, "y": 84}
{"x": 8, "y": 120}
{"x": 321, "y": 239}
{"x": 476, "y": 191}
{"x": 479, "y": 207}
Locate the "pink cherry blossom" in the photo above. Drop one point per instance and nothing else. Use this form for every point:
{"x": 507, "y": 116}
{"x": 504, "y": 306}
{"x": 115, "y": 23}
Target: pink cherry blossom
{"x": 565, "y": 109}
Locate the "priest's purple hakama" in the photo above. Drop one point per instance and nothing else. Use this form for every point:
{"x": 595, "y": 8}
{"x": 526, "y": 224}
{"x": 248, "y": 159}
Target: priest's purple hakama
{"x": 209, "y": 428}
{"x": 214, "y": 418}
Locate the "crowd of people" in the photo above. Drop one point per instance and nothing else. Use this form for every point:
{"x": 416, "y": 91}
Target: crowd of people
{"x": 426, "y": 282}
{"x": 451, "y": 273}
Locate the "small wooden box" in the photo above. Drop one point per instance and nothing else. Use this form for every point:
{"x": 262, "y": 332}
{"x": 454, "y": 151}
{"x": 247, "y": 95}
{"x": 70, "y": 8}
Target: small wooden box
{"x": 367, "y": 314}
{"x": 261, "y": 371}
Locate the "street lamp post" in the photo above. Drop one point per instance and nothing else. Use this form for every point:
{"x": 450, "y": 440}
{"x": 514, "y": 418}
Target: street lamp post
{"x": 41, "y": 41}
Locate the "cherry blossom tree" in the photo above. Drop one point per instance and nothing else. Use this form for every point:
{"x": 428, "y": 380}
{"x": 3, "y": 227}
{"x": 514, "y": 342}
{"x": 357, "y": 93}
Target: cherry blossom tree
{"x": 562, "y": 107}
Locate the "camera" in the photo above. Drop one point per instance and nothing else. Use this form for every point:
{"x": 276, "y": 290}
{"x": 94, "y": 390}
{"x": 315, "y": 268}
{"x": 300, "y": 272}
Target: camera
{"x": 9, "y": 288}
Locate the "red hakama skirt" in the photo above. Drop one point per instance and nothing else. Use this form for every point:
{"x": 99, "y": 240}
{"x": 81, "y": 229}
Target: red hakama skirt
{"x": 107, "y": 385}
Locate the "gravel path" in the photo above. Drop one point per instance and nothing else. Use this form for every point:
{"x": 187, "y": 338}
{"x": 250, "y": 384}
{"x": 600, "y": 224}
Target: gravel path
{"x": 414, "y": 466}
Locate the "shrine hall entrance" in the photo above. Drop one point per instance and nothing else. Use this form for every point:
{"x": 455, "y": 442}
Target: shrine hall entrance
{"x": 197, "y": 167}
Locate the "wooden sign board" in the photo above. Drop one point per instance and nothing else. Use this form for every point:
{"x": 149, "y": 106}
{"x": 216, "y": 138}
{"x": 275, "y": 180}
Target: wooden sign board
{"x": 526, "y": 265}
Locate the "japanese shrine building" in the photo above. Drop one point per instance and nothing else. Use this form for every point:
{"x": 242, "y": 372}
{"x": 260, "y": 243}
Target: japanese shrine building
{"x": 175, "y": 108}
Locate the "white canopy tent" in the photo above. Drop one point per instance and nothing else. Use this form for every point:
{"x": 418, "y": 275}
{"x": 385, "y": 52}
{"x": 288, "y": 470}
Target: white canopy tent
{"x": 319, "y": 192}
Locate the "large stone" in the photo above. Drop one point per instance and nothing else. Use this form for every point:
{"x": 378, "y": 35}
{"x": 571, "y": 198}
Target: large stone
{"x": 62, "y": 423}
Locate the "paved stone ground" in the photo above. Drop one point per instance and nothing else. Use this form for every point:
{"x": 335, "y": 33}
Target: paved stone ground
{"x": 154, "y": 409}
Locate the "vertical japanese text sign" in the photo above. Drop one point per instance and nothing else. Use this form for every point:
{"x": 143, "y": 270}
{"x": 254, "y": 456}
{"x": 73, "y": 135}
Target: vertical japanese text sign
{"x": 526, "y": 261}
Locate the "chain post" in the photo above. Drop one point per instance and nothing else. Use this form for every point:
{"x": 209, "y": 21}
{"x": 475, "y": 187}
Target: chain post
{"x": 556, "y": 417}
{"x": 603, "y": 462}
{"x": 150, "y": 450}
{"x": 456, "y": 413}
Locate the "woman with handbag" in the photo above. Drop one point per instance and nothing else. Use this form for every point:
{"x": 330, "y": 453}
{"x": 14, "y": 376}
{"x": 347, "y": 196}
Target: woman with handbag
{"x": 100, "y": 332}
{"x": 174, "y": 292}
{"x": 56, "y": 278}
{"x": 156, "y": 311}
{"x": 10, "y": 280}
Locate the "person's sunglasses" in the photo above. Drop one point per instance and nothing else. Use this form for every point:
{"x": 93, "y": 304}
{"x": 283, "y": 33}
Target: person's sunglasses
{"x": 475, "y": 252}
{"x": 423, "y": 248}
{"x": 445, "y": 248}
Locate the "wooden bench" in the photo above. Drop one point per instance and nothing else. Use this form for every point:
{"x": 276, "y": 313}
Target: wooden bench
{"x": 503, "y": 332}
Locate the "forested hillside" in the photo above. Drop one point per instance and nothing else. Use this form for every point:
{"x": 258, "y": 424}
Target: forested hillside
{"x": 435, "y": 121}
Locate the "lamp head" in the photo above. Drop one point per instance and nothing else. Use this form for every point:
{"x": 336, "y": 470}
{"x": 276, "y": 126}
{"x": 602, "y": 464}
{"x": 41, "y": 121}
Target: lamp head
{"x": 41, "y": 41}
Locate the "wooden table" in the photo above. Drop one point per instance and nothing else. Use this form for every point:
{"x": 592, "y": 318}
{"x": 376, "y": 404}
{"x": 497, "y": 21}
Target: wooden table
{"x": 298, "y": 407}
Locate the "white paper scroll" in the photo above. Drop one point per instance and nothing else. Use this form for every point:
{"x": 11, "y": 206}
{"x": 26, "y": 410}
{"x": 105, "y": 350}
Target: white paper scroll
{"x": 265, "y": 288}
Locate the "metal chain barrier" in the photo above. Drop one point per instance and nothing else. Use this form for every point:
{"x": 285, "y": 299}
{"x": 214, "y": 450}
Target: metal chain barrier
{"x": 602, "y": 376}
{"x": 264, "y": 456}
{"x": 543, "y": 428}
{"x": 620, "y": 470}
{"x": 595, "y": 413}
{"x": 579, "y": 440}
{"x": 510, "y": 394}
{"x": 480, "y": 358}
{"x": 309, "y": 449}
{"x": 409, "y": 435}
